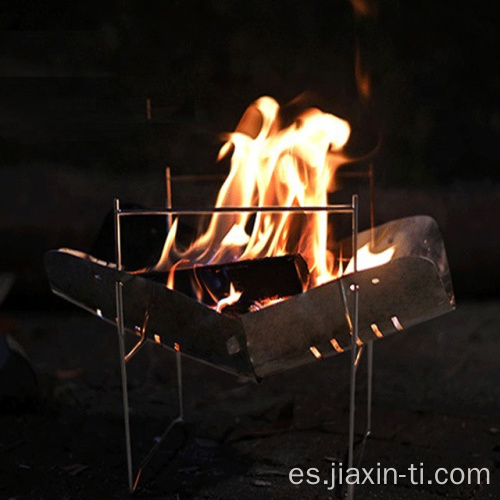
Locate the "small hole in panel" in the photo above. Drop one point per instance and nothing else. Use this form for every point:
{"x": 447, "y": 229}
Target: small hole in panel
{"x": 336, "y": 345}
{"x": 396, "y": 323}
{"x": 316, "y": 353}
{"x": 376, "y": 330}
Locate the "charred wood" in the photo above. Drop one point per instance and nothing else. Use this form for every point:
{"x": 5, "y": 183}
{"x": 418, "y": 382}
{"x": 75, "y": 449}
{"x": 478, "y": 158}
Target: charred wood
{"x": 258, "y": 279}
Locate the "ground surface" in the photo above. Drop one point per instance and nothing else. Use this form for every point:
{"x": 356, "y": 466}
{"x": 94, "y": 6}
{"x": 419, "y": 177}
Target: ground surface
{"x": 437, "y": 396}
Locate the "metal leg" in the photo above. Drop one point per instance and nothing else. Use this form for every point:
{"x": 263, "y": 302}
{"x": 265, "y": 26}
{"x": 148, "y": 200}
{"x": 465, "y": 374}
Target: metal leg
{"x": 369, "y": 395}
{"x": 352, "y": 393}
{"x": 123, "y": 359}
{"x": 132, "y": 484}
{"x": 121, "y": 341}
{"x": 354, "y": 344}
{"x": 369, "y": 391}
{"x": 123, "y": 369}
{"x": 142, "y": 340}
{"x": 168, "y": 189}
{"x": 178, "y": 362}
{"x": 371, "y": 180}
{"x": 178, "y": 420}
{"x": 369, "y": 345}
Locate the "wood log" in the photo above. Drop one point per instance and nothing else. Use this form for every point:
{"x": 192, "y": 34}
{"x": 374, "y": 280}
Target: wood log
{"x": 257, "y": 279}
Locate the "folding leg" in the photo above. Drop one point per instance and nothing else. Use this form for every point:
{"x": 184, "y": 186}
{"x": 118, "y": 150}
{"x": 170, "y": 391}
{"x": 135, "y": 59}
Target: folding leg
{"x": 352, "y": 315}
{"x": 133, "y": 482}
{"x": 123, "y": 370}
{"x": 178, "y": 420}
{"x": 352, "y": 392}
{"x": 369, "y": 392}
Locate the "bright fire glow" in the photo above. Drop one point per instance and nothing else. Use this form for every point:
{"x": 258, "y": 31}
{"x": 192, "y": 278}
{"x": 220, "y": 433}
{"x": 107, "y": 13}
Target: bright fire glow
{"x": 232, "y": 298}
{"x": 368, "y": 259}
{"x": 272, "y": 165}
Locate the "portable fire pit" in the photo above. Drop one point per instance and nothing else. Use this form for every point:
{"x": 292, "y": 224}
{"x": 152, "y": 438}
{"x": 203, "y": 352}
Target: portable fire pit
{"x": 347, "y": 313}
{"x": 261, "y": 289}
{"x": 414, "y": 286}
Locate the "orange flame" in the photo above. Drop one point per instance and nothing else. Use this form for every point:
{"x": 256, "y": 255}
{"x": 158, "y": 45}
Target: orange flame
{"x": 272, "y": 166}
{"x": 232, "y": 298}
{"x": 368, "y": 259}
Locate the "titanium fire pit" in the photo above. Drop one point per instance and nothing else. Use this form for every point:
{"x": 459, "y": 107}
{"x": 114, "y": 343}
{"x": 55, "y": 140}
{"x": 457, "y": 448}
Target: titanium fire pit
{"x": 347, "y": 313}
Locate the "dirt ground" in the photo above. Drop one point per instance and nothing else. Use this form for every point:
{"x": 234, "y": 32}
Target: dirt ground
{"x": 436, "y": 403}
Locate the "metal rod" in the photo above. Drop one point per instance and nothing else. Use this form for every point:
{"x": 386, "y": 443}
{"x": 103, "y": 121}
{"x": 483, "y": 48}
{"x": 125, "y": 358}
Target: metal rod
{"x": 121, "y": 344}
{"x": 135, "y": 349}
{"x": 132, "y": 484}
{"x": 178, "y": 362}
{"x": 168, "y": 182}
{"x": 369, "y": 395}
{"x": 118, "y": 243}
{"x": 142, "y": 340}
{"x": 341, "y": 209}
{"x": 369, "y": 354}
{"x": 352, "y": 394}
{"x": 369, "y": 377}
{"x": 123, "y": 369}
{"x": 372, "y": 204}
{"x": 355, "y": 224}
{"x": 354, "y": 344}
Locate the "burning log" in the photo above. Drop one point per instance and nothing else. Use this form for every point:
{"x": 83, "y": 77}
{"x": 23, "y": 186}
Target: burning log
{"x": 257, "y": 280}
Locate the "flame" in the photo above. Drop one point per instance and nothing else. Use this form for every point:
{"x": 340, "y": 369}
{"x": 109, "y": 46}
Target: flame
{"x": 368, "y": 259}
{"x": 272, "y": 165}
{"x": 232, "y": 298}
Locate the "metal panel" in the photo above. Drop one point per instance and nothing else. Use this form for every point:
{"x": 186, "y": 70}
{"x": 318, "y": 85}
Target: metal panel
{"x": 413, "y": 287}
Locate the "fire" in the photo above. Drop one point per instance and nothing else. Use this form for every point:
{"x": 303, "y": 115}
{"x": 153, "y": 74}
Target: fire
{"x": 272, "y": 165}
{"x": 277, "y": 166}
{"x": 368, "y": 259}
{"x": 231, "y": 299}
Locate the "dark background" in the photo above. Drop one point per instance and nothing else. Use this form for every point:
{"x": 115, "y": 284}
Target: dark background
{"x": 74, "y": 131}
{"x": 74, "y": 134}
{"x": 75, "y": 80}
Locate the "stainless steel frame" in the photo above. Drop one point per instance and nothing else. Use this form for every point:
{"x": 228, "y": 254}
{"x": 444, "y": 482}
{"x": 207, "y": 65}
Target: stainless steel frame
{"x": 351, "y": 312}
